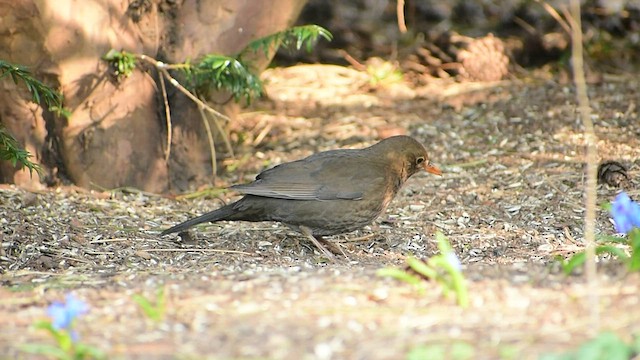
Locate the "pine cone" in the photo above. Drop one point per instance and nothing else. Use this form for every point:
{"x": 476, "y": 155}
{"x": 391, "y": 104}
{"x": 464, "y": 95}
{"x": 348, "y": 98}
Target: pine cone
{"x": 484, "y": 59}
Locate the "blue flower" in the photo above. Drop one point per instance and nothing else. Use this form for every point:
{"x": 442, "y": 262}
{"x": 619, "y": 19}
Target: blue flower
{"x": 453, "y": 260}
{"x": 63, "y": 314}
{"x": 625, "y": 212}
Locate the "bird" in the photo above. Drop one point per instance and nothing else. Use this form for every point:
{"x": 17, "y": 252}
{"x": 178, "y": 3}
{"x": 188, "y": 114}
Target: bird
{"x": 328, "y": 193}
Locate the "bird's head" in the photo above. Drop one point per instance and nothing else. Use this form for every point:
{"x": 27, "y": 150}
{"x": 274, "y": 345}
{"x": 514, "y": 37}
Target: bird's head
{"x": 407, "y": 155}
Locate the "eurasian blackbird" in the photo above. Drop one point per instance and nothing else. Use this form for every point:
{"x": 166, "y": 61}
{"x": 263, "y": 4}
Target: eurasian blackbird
{"x": 327, "y": 193}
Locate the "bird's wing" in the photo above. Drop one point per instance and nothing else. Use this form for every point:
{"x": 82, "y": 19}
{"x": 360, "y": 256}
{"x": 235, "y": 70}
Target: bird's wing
{"x": 337, "y": 174}
{"x": 297, "y": 191}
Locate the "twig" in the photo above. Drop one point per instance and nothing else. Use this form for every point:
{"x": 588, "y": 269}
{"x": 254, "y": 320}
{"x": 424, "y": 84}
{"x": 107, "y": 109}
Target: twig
{"x": 351, "y": 60}
{"x": 591, "y": 140}
{"x": 212, "y": 145}
{"x": 263, "y": 133}
{"x": 104, "y": 241}
{"x": 200, "y": 250}
{"x": 400, "y": 13}
{"x": 125, "y": 189}
{"x": 200, "y": 103}
{"x": 31, "y": 273}
{"x": 212, "y": 192}
{"x": 163, "y": 71}
{"x": 193, "y": 98}
{"x": 224, "y": 137}
{"x": 357, "y": 239}
{"x": 557, "y": 16}
{"x": 81, "y": 260}
{"x": 167, "y": 112}
{"x": 469, "y": 164}
{"x": 525, "y": 25}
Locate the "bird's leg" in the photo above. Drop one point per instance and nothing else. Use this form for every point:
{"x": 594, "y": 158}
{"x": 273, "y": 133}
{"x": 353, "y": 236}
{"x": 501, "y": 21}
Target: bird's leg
{"x": 333, "y": 247}
{"x": 307, "y": 232}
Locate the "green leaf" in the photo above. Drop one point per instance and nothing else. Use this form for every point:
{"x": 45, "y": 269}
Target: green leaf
{"x": 39, "y": 91}
{"x": 634, "y": 239}
{"x": 61, "y": 337}
{"x": 399, "y": 275}
{"x": 606, "y": 345}
{"x": 218, "y": 72}
{"x": 613, "y": 250}
{"x": 635, "y": 345}
{"x": 634, "y": 261}
{"x": 443, "y": 243}
{"x": 508, "y": 352}
{"x": 458, "y": 350}
{"x": 455, "y": 280}
{"x": 462, "y": 351}
{"x": 610, "y": 239}
{"x": 155, "y": 311}
{"x": 423, "y": 352}
{"x": 12, "y": 152}
{"x": 421, "y": 268}
{"x": 457, "y": 283}
{"x": 47, "y": 350}
{"x": 557, "y": 357}
{"x": 438, "y": 268}
{"x": 292, "y": 38}
{"x": 580, "y": 258}
{"x": 123, "y": 62}
{"x": 9, "y": 148}
{"x": 84, "y": 351}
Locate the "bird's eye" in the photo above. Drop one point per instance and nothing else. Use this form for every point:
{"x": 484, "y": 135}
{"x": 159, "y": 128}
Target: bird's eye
{"x": 419, "y": 160}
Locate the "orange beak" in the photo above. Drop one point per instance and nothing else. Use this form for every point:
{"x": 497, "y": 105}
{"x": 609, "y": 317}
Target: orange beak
{"x": 430, "y": 168}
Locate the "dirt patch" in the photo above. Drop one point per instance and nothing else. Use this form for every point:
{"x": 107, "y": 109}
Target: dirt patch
{"x": 510, "y": 201}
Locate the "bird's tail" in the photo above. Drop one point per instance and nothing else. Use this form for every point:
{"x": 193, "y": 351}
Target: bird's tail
{"x": 220, "y": 214}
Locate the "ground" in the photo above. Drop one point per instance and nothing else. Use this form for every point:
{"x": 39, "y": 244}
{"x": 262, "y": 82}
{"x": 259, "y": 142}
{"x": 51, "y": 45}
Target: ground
{"x": 510, "y": 201}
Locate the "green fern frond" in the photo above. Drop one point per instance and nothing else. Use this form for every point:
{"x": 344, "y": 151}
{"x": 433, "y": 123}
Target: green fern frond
{"x": 11, "y": 151}
{"x": 217, "y": 72}
{"x": 39, "y": 91}
{"x": 234, "y": 75}
{"x": 224, "y": 73}
{"x": 292, "y": 38}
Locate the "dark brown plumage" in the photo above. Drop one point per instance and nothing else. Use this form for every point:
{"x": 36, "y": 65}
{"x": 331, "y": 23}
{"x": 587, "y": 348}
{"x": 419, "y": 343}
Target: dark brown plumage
{"x": 328, "y": 193}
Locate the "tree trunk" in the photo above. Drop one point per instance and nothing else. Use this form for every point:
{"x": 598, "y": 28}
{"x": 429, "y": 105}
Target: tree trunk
{"x": 117, "y": 130}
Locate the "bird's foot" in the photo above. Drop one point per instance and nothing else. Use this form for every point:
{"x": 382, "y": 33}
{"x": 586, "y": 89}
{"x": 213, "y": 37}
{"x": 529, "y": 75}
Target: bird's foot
{"x": 323, "y": 245}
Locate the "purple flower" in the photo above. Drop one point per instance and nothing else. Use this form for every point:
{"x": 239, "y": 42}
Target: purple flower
{"x": 625, "y": 212}
{"x": 63, "y": 314}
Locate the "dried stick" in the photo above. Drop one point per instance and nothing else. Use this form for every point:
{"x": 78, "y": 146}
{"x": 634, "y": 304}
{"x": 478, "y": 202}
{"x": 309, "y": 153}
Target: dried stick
{"x": 400, "y": 13}
{"x": 225, "y": 138}
{"x": 591, "y": 158}
{"x": 162, "y": 67}
{"x": 163, "y": 70}
{"x": 548, "y": 8}
{"x": 212, "y": 147}
{"x": 167, "y": 111}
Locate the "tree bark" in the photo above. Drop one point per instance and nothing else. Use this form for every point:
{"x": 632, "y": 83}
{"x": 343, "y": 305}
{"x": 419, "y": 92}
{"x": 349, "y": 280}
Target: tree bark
{"x": 116, "y": 133}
